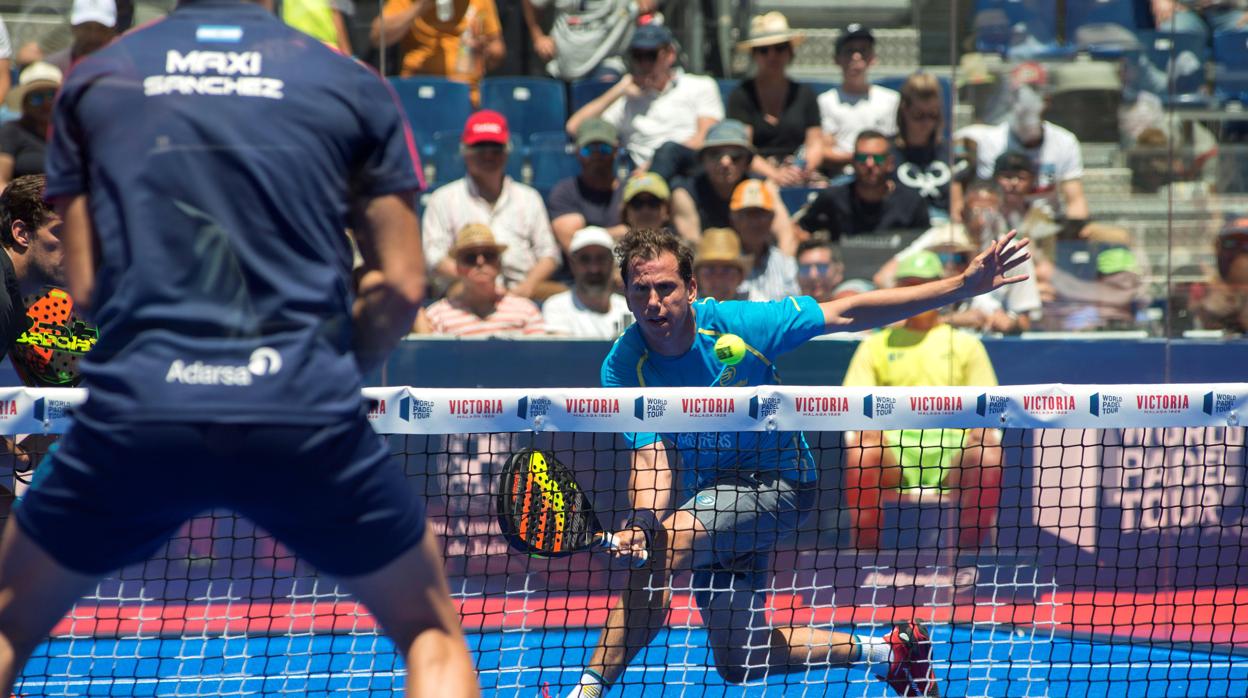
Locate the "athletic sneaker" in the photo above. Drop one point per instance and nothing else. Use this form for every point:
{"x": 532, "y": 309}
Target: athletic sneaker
{"x": 910, "y": 673}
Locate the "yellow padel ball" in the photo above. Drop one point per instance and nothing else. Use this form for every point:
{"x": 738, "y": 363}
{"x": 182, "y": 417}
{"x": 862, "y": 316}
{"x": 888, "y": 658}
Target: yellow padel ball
{"x": 730, "y": 349}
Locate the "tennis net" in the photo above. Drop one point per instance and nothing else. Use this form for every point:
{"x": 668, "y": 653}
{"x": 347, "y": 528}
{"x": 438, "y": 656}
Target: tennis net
{"x": 1054, "y": 539}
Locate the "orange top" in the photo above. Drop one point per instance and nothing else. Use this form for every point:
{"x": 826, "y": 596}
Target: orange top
{"x": 432, "y": 47}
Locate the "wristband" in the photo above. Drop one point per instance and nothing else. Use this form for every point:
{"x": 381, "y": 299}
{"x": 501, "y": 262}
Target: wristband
{"x": 646, "y": 520}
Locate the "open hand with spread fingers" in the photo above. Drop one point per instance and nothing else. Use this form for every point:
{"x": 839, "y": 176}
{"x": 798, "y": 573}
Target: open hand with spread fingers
{"x": 991, "y": 269}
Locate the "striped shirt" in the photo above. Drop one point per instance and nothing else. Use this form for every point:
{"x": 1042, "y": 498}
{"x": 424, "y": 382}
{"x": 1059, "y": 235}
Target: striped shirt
{"x": 512, "y": 316}
{"x": 777, "y": 279}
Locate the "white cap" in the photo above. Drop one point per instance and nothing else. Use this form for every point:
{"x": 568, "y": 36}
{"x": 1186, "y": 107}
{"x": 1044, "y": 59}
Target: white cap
{"x": 99, "y": 11}
{"x": 592, "y": 235}
{"x": 949, "y": 235}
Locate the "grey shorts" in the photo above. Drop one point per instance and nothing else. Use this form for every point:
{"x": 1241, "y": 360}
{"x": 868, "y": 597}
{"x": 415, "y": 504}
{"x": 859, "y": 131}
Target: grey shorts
{"x": 746, "y": 513}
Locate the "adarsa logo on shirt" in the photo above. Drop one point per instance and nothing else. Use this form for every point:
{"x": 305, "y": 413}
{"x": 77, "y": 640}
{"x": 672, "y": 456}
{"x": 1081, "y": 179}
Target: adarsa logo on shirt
{"x": 264, "y": 361}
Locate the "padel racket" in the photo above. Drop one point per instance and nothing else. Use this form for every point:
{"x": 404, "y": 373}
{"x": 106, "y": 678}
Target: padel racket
{"x": 545, "y": 513}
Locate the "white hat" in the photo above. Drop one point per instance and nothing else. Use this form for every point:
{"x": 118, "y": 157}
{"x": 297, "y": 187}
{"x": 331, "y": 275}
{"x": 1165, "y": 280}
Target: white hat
{"x": 99, "y": 11}
{"x": 949, "y": 235}
{"x": 592, "y": 235}
{"x": 36, "y": 75}
{"x": 770, "y": 29}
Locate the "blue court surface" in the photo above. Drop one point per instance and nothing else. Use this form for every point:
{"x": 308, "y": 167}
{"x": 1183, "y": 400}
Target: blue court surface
{"x": 982, "y": 662}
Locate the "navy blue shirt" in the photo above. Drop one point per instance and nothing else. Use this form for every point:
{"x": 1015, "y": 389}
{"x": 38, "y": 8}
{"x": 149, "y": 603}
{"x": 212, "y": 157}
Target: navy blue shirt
{"x": 220, "y": 151}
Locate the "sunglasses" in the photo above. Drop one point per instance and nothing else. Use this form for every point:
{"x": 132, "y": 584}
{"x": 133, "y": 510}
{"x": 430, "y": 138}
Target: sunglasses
{"x": 737, "y": 156}
{"x": 819, "y": 268}
{"x": 38, "y": 99}
{"x": 645, "y": 202}
{"x": 474, "y": 257}
{"x": 953, "y": 258}
{"x": 778, "y": 48}
{"x": 864, "y": 158}
{"x": 1233, "y": 239}
{"x": 487, "y": 148}
{"x": 597, "y": 149}
{"x": 644, "y": 56}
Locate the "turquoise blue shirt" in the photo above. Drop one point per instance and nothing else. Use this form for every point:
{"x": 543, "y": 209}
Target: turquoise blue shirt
{"x": 768, "y": 330}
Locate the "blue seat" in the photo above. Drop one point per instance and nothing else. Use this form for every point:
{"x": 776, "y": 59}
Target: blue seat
{"x": 1230, "y": 58}
{"x": 1001, "y": 25}
{"x": 552, "y": 159}
{"x": 726, "y": 87}
{"x": 531, "y": 105}
{"x": 1082, "y": 14}
{"x": 1189, "y": 54}
{"x": 432, "y": 105}
{"x": 584, "y": 92}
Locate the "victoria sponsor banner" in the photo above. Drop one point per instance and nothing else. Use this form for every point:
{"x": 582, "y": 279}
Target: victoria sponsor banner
{"x": 413, "y": 410}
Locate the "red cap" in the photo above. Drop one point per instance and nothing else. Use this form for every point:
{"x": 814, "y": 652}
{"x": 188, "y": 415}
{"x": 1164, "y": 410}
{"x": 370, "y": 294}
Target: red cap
{"x": 486, "y": 126}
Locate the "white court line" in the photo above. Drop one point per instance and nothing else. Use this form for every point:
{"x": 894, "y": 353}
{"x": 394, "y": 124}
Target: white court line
{"x": 27, "y": 685}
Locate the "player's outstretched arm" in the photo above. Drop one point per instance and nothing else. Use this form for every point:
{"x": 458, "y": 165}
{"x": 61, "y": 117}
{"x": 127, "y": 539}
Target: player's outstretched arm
{"x": 393, "y": 283}
{"x": 987, "y": 272}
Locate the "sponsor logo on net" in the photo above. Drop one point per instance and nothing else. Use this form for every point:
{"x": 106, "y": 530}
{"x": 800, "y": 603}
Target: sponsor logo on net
{"x": 45, "y": 409}
{"x": 264, "y": 361}
{"x": 987, "y": 404}
{"x": 763, "y": 407}
{"x": 708, "y": 406}
{"x": 376, "y": 409}
{"x": 649, "y": 408}
{"x": 414, "y": 408}
{"x": 821, "y": 405}
{"x": 1162, "y": 403}
{"x": 1218, "y": 403}
{"x": 591, "y": 406}
{"x": 1102, "y": 404}
{"x": 474, "y": 408}
{"x": 532, "y": 407}
{"x": 935, "y": 404}
{"x": 878, "y": 406}
{"x": 1049, "y": 404}
{"x": 8, "y": 409}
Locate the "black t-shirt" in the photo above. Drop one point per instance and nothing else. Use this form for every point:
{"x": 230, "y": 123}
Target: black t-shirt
{"x": 779, "y": 140}
{"x": 925, "y": 169}
{"x": 12, "y": 312}
{"x": 839, "y": 212}
{"x": 712, "y": 210}
{"x": 25, "y": 146}
{"x": 571, "y": 195}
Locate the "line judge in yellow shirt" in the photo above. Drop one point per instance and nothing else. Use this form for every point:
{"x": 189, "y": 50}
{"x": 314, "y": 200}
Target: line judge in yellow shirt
{"x": 929, "y": 463}
{"x": 457, "y": 39}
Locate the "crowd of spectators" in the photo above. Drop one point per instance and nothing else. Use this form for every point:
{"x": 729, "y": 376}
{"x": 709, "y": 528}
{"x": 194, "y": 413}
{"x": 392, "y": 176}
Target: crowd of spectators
{"x": 663, "y": 147}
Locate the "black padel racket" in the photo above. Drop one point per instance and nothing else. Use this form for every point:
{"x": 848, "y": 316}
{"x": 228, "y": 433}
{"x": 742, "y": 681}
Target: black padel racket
{"x": 544, "y": 512}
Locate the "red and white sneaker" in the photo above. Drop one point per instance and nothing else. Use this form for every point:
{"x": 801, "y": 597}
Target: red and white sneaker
{"x": 910, "y": 673}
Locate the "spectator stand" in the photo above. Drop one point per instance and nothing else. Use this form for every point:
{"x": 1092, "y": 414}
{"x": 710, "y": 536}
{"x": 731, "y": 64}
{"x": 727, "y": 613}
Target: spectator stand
{"x": 551, "y": 159}
{"x": 1016, "y": 29}
{"x": 433, "y": 104}
{"x": 1230, "y": 61}
{"x": 531, "y": 105}
{"x": 1106, "y": 27}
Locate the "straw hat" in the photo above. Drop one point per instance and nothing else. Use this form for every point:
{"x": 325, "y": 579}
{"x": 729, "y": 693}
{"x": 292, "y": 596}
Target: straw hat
{"x": 475, "y": 236}
{"x": 719, "y": 245}
{"x": 770, "y": 29}
{"x": 35, "y": 76}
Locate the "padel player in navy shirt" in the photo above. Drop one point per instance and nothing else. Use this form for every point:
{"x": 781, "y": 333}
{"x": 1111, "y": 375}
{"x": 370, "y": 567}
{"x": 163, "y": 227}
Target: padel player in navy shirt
{"x": 205, "y": 168}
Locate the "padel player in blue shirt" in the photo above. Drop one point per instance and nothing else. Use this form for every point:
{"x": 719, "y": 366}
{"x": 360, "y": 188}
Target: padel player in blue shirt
{"x": 740, "y": 493}
{"x": 205, "y": 168}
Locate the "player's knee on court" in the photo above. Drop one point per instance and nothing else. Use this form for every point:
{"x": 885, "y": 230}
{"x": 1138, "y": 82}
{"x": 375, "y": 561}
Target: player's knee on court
{"x": 734, "y": 611}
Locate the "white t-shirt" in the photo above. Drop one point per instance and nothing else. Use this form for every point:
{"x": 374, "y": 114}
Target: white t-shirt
{"x": 518, "y": 220}
{"x": 844, "y": 116}
{"x": 1022, "y": 298}
{"x": 6, "y": 46}
{"x": 1058, "y": 158}
{"x": 649, "y": 121}
{"x": 566, "y": 315}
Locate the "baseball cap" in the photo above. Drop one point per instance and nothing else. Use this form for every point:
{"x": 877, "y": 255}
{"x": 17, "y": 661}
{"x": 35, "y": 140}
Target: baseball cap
{"x": 719, "y": 245}
{"x": 851, "y": 32}
{"x": 920, "y": 265}
{"x": 752, "y": 193}
{"x": 646, "y": 183}
{"x": 596, "y": 131}
{"x": 651, "y": 36}
{"x": 486, "y": 126}
{"x": 949, "y": 235}
{"x": 590, "y": 236}
{"x": 1014, "y": 161}
{"x": 99, "y": 11}
{"x": 1114, "y": 260}
{"x": 1029, "y": 73}
{"x": 728, "y": 132}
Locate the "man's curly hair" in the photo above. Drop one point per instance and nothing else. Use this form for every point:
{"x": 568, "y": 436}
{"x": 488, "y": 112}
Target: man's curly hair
{"x": 650, "y": 243}
{"x": 23, "y": 201}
